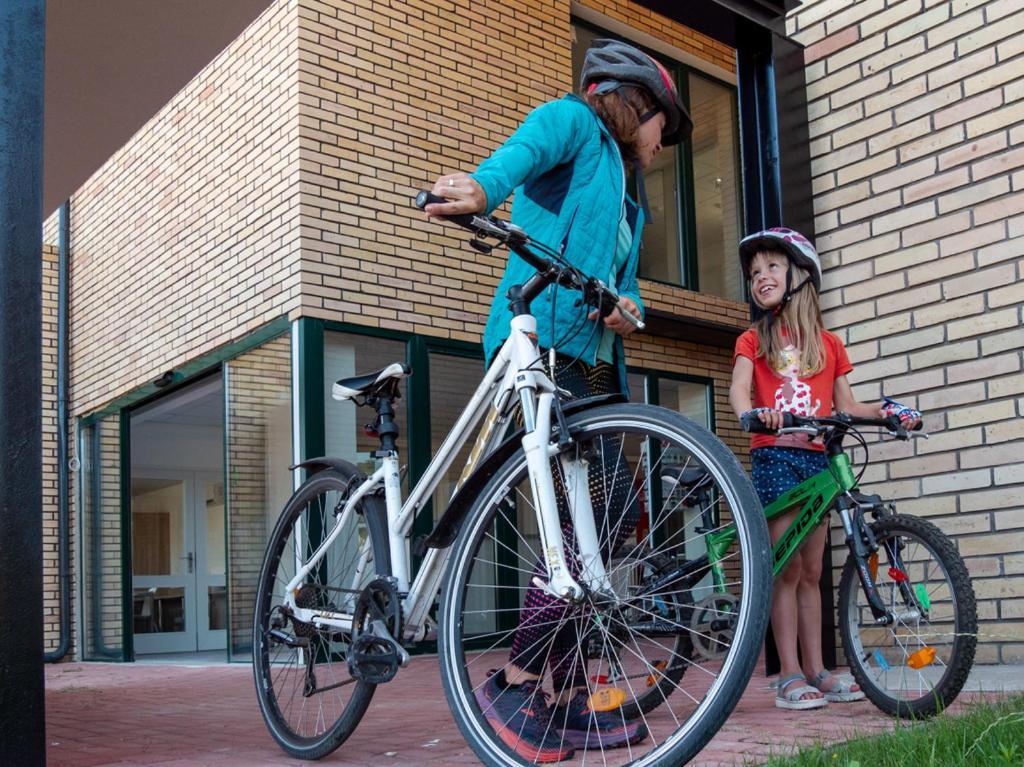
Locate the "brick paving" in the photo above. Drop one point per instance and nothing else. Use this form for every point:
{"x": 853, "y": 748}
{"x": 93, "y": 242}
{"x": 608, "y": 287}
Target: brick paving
{"x": 172, "y": 715}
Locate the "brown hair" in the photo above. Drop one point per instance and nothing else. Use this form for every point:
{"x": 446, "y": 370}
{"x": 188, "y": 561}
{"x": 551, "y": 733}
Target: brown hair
{"x": 620, "y": 111}
{"x": 802, "y": 321}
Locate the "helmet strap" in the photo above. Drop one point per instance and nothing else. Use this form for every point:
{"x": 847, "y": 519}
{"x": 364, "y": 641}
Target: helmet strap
{"x": 641, "y": 191}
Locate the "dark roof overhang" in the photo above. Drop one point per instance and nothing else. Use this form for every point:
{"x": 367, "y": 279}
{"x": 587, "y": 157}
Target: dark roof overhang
{"x": 723, "y": 19}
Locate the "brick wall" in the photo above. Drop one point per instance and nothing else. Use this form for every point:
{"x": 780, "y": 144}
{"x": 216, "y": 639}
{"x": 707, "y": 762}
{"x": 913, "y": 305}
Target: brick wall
{"x": 384, "y": 111}
{"x": 187, "y": 237}
{"x": 917, "y": 144}
{"x": 259, "y": 392}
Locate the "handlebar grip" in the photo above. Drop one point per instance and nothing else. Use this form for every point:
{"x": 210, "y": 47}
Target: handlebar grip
{"x": 752, "y": 424}
{"x": 630, "y": 317}
{"x": 423, "y": 199}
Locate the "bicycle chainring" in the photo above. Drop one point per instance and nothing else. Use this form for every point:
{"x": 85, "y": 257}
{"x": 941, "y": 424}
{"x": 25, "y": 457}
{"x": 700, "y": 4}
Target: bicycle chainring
{"x": 713, "y": 624}
{"x": 374, "y": 654}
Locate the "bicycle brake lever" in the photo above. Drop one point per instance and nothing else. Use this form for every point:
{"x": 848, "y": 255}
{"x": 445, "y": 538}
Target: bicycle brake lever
{"x": 798, "y": 430}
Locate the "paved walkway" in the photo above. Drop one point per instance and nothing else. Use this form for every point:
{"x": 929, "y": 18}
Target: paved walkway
{"x": 174, "y": 715}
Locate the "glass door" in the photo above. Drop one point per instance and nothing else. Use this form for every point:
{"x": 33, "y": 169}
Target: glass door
{"x": 211, "y": 584}
{"x": 179, "y": 594}
{"x": 163, "y": 563}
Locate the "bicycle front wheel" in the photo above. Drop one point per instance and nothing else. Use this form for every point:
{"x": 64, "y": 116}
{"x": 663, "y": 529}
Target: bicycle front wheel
{"x": 660, "y": 485}
{"x": 308, "y": 697}
{"x": 916, "y": 666}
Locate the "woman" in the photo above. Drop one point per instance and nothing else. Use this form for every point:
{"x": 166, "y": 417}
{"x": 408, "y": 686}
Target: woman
{"x": 567, "y": 164}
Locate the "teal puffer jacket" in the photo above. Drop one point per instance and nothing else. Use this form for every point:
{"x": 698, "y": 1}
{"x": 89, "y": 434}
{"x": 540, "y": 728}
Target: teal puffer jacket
{"x": 569, "y": 183}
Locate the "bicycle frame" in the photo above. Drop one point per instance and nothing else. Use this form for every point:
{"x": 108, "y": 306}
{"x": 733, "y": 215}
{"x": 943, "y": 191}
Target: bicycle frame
{"x": 813, "y": 498}
{"x": 515, "y": 369}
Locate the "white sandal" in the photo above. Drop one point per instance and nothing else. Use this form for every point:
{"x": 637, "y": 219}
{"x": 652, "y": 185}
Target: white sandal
{"x": 841, "y": 692}
{"x": 793, "y": 699}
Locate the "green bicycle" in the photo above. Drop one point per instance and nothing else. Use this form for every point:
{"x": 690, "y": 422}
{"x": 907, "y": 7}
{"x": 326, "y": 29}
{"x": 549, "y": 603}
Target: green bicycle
{"x": 907, "y": 615}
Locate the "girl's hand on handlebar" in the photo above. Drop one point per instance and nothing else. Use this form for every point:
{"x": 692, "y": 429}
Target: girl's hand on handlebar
{"x": 466, "y": 195}
{"x": 615, "y": 321}
{"x": 772, "y": 419}
{"x": 909, "y": 418}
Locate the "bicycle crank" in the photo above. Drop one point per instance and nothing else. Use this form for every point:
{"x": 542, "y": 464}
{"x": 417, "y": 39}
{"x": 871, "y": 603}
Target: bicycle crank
{"x": 375, "y": 655}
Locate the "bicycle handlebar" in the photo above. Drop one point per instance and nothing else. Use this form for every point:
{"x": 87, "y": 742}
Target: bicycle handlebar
{"x": 751, "y": 423}
{"x": 594, "y": 291}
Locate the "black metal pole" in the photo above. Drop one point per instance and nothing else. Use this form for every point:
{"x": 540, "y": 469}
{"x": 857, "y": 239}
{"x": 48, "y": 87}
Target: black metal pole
{"x": 22, "y": 722}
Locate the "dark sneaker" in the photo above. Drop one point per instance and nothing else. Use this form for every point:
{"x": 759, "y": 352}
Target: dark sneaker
{"x": 521, "y": 717}
{"x": 584, "y": 728}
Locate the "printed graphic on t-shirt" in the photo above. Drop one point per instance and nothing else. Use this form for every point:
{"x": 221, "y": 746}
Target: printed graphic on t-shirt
{"x": 791, "y": 389}
{"x": 793, "y": 394}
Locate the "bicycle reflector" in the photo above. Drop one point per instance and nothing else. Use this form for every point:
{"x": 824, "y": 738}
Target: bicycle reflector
{"x": 653, "y": 679}
{"x": 606, "y": 699}
{"x": 873, "y": 566}
{"x": 897, "y": 575}
{"x": 922, "y": 596}
{"x": 923, "y": 657}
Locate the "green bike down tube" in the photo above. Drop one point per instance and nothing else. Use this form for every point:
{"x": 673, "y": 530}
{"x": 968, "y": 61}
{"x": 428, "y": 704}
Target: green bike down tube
{"x": 814, "y": 497}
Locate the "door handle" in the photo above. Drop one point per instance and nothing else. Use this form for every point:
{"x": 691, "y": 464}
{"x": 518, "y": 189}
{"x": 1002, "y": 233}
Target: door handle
{"x": 191, "y": 561}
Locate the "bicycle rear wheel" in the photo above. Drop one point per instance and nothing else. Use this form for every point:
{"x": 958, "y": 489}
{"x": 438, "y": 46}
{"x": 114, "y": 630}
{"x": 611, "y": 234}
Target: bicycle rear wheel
{"x": 632, "y": 646}
{"x": 309, "y": 700}
{"x": 917, "y": 666}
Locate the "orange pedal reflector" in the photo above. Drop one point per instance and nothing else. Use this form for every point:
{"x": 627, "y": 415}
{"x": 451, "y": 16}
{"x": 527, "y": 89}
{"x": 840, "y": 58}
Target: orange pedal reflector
{"x": 873, "y": 566}
{"x": 607, "y": 699}
{"x": 661, "y": 665}
{"x": 923, "y": 657}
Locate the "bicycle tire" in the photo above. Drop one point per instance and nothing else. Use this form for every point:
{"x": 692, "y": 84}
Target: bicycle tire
{"x": 882, "y": 658}
{"x": 280, "y": 670}
{"x": 683, "y": 722}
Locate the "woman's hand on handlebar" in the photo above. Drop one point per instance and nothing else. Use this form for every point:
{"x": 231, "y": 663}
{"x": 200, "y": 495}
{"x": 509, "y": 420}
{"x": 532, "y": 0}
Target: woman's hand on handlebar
{"x": 464, "y": 192}
{"x": 615, "y": 321}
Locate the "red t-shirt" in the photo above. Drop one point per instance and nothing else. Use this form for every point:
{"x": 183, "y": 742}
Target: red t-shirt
{"x": 788, "y": 391}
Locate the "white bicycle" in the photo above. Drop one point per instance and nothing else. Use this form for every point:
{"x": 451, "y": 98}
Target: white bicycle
{"x": 543, "y": 507}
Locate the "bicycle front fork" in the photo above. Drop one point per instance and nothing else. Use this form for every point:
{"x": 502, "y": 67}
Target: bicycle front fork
{"x": 856, "y": 532}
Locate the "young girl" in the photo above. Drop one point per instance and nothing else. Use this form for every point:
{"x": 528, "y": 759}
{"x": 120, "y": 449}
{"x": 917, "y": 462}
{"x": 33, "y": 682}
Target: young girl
{"x": 792, "y": 364}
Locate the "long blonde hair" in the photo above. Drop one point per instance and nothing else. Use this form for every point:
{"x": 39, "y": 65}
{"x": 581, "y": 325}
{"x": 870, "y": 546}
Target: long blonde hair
{"x": 802, "y": 321}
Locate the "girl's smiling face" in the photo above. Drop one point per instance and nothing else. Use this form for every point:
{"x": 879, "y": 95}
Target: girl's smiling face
{"x": 768, "y": 278}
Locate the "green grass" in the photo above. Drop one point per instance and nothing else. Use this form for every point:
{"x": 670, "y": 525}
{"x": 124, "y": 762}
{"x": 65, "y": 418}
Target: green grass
{"x": 986, "y": 735}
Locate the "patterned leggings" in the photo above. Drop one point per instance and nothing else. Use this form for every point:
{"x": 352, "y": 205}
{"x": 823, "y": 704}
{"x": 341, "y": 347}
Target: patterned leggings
{"x": 545, "y": 637}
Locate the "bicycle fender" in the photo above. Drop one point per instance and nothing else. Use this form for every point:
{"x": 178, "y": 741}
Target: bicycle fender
{"x": 316, "y": 465}
{"x": 450, "y": 523}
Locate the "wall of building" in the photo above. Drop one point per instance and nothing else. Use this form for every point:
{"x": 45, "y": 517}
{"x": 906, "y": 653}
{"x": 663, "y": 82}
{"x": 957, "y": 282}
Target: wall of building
{"x": 279, "y": 181}
{"x": 917, "y": 131}
{"x": 392, "y": 98}
{"x": 187, "y": 238}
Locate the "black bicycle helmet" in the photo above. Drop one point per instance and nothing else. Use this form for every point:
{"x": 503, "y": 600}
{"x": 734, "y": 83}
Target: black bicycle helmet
{"x": 610, "y": 64}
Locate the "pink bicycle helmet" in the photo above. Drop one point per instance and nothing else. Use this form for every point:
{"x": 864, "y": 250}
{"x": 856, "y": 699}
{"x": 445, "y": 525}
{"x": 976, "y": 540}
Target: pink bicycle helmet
{"x": 799, "y": 249}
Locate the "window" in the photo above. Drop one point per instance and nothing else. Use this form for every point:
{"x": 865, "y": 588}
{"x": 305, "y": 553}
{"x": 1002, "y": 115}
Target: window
{"x": 693, "y": 190}
{"x": 346, "y": 355}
